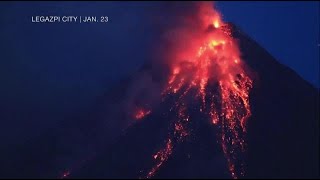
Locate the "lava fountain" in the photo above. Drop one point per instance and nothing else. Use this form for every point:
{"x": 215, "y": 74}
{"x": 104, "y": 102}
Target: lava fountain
{"x": 209, "y": 64}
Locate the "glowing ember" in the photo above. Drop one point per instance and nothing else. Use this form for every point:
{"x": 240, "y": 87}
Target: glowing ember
{"x": 161, "y": 156}
{"x": 216, "y": 24}
{"x": 65, "y": 174}
{"x": 179, "y": 134}
{"x": 141, "y": 113}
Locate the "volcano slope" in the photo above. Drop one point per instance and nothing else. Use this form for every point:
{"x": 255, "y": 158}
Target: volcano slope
{"x": 282, "y": 132}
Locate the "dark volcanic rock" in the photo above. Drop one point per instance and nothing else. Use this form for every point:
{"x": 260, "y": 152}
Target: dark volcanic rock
{"x": 283, "y": 132}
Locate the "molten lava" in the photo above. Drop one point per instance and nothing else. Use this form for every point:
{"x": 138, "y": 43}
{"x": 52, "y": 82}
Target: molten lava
{"x": 65, "y": 175}
{"x": 212, "y": 72}
{"x": 141, "y": 113}
{"x": 206, "y": 74}
{"x": 179, "y": 134}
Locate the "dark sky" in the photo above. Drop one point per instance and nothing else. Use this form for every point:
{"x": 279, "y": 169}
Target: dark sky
{"x": 288, "y": 30}
{"x": 49, "y": 71}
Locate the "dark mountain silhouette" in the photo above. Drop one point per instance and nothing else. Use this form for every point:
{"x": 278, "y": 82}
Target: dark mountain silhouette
{"x": 283, "y": 133}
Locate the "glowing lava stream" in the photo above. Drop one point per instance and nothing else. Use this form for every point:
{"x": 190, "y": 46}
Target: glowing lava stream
{"x": 216, "y": 63}
{"x": 141, "y": 113}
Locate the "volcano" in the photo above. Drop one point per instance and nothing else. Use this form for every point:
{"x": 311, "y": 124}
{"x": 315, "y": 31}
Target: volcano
{"x": 219, "y": 106}
{"x": 281, "y": 133}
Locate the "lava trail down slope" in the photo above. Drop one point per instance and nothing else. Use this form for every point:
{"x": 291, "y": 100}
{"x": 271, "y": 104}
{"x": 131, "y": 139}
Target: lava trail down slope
{"x": 228, "y": 109}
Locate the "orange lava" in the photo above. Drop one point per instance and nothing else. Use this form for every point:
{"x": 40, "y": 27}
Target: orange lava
{"x": 141, "y": 113}
{"x": 211, "y": 61}
{"x": 161, "y": 156}
{"x": 179, "y": 134}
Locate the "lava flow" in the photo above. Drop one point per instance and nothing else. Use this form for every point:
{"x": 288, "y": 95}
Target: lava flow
{"x": 210, "y": 66}
{"x": 141, "y": 113}
{"x": 179, "y": 134}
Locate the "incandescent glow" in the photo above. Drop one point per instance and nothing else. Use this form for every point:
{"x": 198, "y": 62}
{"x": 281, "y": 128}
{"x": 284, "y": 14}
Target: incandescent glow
{"x": 207, "y": 75}
{"x": 141, "y": 113}
{"x": 161, "y": 156}
{"x": 65, "y": 175}
{"x": 210, "y": 70}
{"x": 179, "y": 133}
{"x": 216, "y": 24}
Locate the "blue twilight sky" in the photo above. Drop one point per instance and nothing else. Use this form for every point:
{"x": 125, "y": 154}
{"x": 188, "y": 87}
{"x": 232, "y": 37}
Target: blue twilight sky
{"x": 288, "y": 30}
{"x": 52, "y": 71}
